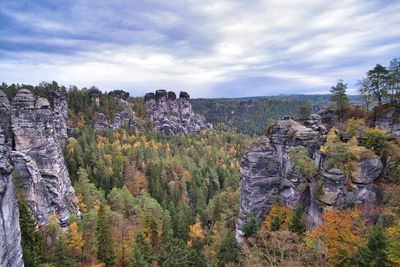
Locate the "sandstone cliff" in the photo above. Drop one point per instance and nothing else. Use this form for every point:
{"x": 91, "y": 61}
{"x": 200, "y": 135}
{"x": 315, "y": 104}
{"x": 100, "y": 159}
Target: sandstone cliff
{"x": 38, "y": 130}
{"x": 10, "y": 235}
{"x": 268, "y": 176}
{"x": 124, "y": 118}
{"x": 172, "y": 116}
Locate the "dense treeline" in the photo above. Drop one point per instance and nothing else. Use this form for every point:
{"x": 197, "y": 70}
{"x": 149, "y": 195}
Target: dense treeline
{"x": 250, "y": 115}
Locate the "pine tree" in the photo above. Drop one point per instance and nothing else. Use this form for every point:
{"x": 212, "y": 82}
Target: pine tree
{"x": 373, "y": 254}
{"x": 339, "y": 97}
{"x": 229, "y": 250}
{"x": 296, "y": 224}
{"x": 105, "y": 252}
{"x": 276, "y": 223}
{"x": 31, "y": 240}
{"x": 378, "y": 85}
{"x": 173, "y": 253}
{"x": 142, "y": 252}
{"x": 63, "y": 256}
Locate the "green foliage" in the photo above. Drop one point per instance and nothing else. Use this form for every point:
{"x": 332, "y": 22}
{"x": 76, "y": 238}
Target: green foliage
{"x": 229, "y": 250}
{"x": 105, "y": 252}
{"x": 174, "y": 253}
{"x": 375, "y": 139}
{"x": 374, "y": 252}
{"x": 303, "y": 164}
{"x": 142, "y": 252}
{"x": 251, "y": 228}
{"x": 31, "y": 240}
{"x": 276, "y": 223}
{"x": 304, "y": 111}
{"x": 297, "y": 222}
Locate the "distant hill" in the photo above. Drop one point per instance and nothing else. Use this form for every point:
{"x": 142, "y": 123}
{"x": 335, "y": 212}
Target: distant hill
{"x": 249, "y": 115}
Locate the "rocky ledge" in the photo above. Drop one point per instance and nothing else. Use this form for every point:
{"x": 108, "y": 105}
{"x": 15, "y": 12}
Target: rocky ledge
{"x": 172, "y": 116}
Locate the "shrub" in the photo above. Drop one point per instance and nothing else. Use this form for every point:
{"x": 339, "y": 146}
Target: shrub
{"x": 375, "y": 139}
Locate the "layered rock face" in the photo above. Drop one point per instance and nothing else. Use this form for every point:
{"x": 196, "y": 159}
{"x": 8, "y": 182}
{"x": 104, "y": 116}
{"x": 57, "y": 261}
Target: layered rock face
{"x": 38, "y": 130}
{"x": 125, "y": 118}
{"x": 268, "y": 176}
{"x": 173, "y": 116}
{"x": 387, "y": 117}
{"x": 10, "y": 234}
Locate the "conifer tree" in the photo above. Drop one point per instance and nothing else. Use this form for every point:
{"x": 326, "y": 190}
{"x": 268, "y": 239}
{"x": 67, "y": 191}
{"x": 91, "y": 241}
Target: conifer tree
{"x": 296, "y": 224}
{"x": 339, "y": 97}
{"x": 173, "y": 253}
{"x": 276, "y": 223}
{"x": 373, "y": 254}
{"x": 142, "y": 252}
{"x": 229, "y": 250}
{"x": 105, "y": 252}
{"x": 31, "y": 240}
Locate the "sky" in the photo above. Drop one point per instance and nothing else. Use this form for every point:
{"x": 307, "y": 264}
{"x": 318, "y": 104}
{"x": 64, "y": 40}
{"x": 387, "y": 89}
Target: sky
{"x": 209, "y": 48}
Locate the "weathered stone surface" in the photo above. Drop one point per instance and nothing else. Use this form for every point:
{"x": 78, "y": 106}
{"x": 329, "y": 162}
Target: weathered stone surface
{"x": 125, "y": 118}
{"x": 38, "y": 157}
{"x": 387, "y": 117}
{"x": 120, "y": 94}
{"x": 94, "y": 95}
{"x": 59, "y": 105}
{"x": 10, "y": 234}
{"x": 268, "y": 176}
{"x": 171, "y": 116}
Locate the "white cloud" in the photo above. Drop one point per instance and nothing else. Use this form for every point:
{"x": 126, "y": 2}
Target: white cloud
{"x": 203, "y": 44}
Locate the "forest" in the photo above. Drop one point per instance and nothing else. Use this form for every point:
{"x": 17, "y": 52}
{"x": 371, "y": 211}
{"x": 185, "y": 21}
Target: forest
{"x": 153, "y": 200}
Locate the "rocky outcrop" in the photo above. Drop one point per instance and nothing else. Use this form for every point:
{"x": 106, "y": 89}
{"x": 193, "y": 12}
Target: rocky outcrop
{"x": 37, "y": 157}
{"x": 10, "y": 234}
{"x": 172, "y": 116}
{"x": 125, "y": 118}
{"x": 120, "y": 94}
{"x": 387, "y": 117}
{"x": 94, "y": 95}
{"x": 268, "y": 176}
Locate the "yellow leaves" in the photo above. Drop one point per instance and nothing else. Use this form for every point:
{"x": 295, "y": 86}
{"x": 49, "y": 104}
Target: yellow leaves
{"x": 340, "y": 234}
{"x": 53, "y": 219}
{"x": 284, "y": 213}
{"x": 82, "y": 205}
{"x": 75, "y": 242}
{"x": 332, "y": 136}
{"x": 195, "y": 230}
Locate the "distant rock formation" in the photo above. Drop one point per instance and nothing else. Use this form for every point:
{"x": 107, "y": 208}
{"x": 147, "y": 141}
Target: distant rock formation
{"x": 38, "y": 129}
{"x": 268, "y": 176}
{"x": 94, "y": 95}
{"x": 125, "y": 118}
{"x": 121, "y": 94}
{"x": 10, "y": 233}
{"x": 172, "y": 116}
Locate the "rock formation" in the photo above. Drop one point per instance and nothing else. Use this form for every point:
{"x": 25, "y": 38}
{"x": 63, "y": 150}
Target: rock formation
{"x": 172, "y": 116}
{"x": 10, "y": 234}
{"x": 387, "y": 117}
{"x": 125, "y": 118}
{"x": 268, "y": 176}
{"x": 94, "y": 95}
{"x": 38, "y": 129}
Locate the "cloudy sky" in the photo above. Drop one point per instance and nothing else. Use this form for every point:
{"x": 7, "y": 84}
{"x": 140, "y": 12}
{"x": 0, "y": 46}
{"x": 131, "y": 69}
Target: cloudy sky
{"x": 210, "y": 48}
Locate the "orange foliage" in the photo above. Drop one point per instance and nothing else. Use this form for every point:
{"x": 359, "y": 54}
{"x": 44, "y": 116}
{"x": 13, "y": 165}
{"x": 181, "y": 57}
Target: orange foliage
{"x": 195, "y": 230}
{"x": 75, "y": 242}
{"x": 135, "y": 180}
{"x": 283, "y": 212}
{"x": 340, "y": 233}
